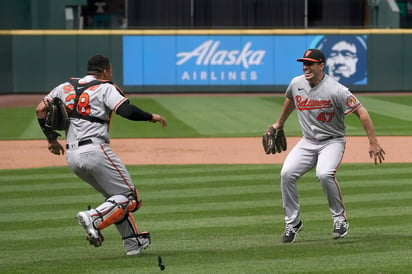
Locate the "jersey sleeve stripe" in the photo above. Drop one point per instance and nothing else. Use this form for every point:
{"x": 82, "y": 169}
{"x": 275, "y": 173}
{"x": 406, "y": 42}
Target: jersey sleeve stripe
{"x": 119, "y": 103}
{"x": 353, "y": 109}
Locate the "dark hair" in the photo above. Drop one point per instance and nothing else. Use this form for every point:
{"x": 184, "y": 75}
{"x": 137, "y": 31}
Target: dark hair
{"x": 97, "y": 63}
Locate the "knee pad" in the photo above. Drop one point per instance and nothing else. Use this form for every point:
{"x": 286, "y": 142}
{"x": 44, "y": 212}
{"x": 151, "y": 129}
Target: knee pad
{"x": 116, "y": 208}
{"x": 111, "y": 211}
{"x": 135, "y": 202}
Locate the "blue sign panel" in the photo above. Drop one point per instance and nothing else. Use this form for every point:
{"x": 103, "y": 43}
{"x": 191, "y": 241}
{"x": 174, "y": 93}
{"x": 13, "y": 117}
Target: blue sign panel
{"x": 228, "y": 60}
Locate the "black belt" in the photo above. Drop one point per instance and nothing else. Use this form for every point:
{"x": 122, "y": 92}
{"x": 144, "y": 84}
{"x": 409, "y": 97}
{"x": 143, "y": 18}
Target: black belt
{"x": 330, "y": 138}
{"x": 82, "y": 143}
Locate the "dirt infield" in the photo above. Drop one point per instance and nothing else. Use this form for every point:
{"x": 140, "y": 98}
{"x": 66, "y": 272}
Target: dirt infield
{"x": 34, "y": 153}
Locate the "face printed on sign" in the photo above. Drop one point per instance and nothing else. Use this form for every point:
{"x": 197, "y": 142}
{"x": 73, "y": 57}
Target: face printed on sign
{"x": 342, "y": 60}
{"x": 345, "y": 58}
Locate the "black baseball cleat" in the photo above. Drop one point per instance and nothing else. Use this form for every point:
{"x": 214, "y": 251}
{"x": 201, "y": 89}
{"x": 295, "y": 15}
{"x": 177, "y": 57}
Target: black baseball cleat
{"x": 340, "y": 229}
{"x": 291, "y": 232}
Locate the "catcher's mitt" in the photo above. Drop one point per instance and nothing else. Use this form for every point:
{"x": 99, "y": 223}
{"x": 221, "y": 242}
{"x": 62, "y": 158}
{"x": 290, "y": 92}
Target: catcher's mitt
{"x": 274, "y": 140}
{"x": 57, "y": 117}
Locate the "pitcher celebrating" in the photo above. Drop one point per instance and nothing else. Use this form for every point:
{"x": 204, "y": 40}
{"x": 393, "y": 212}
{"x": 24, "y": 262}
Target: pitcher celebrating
{"x": 322, "y": 104}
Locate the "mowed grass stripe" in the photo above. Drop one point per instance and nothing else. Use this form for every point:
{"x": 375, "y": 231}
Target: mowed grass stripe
{"x": 229, "y": 210}
{"x": 41, "y": 186}
{"x": 353, "y": 169}
{"x": 311, "y": 264}
{"x": 386, "y": 108}
{"x": 271, "y": 259}
{"x": 315, "y": 226}
{"x": 146, "y": 176}
{"x": 44, "y": 200}
{"x": 233, "y": 190}
{"x": 182, "y": 180}
{"x": 17, "y": 121}
{"x": 206, "y": 113}
{"x": 60, "y": 174}
{"x": 187, "y": 171}
{"x": 32, "y": 130}
{"x": 219, "y": 189}
{"x": 390, "y": 116}
{"x": 230, "y": 223}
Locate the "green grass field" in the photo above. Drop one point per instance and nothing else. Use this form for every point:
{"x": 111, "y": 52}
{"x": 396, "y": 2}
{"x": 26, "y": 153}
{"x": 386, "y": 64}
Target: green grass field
{"x": 211, "y": 218}
{"x": 219, "y": 116}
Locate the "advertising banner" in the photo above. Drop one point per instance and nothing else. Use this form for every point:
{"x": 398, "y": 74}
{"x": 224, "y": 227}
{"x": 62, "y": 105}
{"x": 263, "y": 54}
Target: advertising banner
{"x": 250, "y": 60}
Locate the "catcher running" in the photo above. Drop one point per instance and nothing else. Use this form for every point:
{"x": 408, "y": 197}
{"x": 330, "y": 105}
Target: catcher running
{"x": 90, "y": 102}
{"x": 321, "y": 104}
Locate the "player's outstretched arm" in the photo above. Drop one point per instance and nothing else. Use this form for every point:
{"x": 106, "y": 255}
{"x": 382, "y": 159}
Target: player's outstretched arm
{"x": 287, "y": 109}
{"x": 375, "y": 150}
{"x": 134, "y": 113}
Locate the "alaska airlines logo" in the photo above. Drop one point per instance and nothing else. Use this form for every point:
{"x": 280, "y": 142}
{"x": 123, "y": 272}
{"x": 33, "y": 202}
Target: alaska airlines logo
{"x": 309, "y": 104}
{"x": 209, "y": 53}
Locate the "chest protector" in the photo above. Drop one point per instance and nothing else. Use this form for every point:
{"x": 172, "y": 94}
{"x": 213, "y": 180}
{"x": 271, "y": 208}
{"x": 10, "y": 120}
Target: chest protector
{"x": 79, "y": 89}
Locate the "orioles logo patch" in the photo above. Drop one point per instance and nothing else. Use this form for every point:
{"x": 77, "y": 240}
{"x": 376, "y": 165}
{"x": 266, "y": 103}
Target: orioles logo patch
{"x": 351, "y": 101}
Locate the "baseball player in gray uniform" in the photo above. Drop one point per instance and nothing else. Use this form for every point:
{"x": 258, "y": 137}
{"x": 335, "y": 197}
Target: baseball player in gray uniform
{"x": 91, "y": 101}
{"x": 322, "y": 104}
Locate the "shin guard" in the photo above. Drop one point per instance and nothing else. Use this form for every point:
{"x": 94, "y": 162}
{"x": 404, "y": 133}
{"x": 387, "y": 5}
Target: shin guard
{"x": 111, "y": 211}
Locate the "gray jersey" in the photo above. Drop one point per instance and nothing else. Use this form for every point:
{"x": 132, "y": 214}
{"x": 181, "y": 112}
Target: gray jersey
{"x": 322, "y": 109}
{"x": 97, "y": 101}
{"x": 94, "y": 161}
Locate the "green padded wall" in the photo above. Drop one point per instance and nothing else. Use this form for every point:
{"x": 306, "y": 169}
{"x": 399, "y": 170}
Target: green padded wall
{"x": 36, "y": 61}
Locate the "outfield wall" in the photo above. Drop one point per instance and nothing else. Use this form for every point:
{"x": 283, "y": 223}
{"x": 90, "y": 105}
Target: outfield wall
{"x": 145, "y": 61}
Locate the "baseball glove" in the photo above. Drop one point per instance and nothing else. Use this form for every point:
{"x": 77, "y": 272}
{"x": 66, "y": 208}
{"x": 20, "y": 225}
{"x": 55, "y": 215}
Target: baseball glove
{"x": 57, "y": 117}
{"x": 274, "y": 140}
